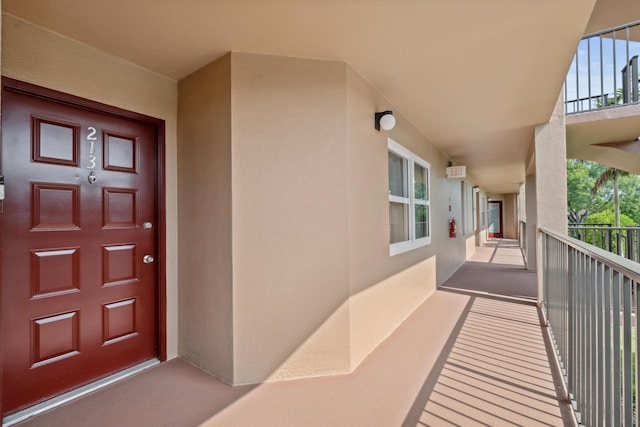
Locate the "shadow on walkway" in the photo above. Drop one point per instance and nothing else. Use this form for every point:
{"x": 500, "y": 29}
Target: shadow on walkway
{"x": 494, "y": 371}
{"x": 496, "y": 269}
{"x": 497, "y": 367}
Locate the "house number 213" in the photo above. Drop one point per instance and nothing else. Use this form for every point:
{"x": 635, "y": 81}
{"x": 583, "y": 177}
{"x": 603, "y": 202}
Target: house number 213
{"x": 92, "y": 141}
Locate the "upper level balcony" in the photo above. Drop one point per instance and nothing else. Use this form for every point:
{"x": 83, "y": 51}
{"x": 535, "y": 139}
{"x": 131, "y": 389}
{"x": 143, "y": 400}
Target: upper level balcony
{"x": 604, "y": 71}
{"x": 602, "y": 98}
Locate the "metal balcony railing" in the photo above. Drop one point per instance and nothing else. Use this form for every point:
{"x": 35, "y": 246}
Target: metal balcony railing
{"x": 623, "y": 241}
{"x": 590, "y": 299}
{"x": 604, "y": 71}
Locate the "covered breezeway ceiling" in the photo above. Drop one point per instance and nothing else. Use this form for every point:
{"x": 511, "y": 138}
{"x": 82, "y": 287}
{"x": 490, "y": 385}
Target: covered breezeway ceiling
{"x": 475, "y": 77}
{"x": 606, "y": 136}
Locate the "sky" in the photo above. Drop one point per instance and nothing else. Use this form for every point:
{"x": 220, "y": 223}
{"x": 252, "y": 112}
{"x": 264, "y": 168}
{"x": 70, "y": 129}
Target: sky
{"x": 605, "y": 77}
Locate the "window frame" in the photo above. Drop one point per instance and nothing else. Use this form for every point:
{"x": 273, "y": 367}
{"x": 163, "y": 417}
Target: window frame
{"x": 411, "y": 201}
{"x": 468, "y": 208}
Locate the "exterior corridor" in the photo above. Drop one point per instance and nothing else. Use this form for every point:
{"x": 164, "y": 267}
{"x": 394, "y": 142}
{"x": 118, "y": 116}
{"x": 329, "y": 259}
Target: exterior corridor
{"x": 497, "y": 372}
{"x": 472, "y": 354}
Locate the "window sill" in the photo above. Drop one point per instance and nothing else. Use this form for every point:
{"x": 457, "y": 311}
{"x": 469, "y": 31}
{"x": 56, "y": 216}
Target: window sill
{"x": 402, "y": 247}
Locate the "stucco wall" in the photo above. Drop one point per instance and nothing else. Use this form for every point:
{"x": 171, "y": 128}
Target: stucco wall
{"x": 510, "y": 216}
{"x": 35, "y": 55}
{"x": 204, "y": 153}
{"x": 532, "y": 222}
{"x": 384, "y": 289}
{"x": 551, "y": 171}
{"x": 550, "y": 179}
{"x": 470, "y": 246}
{"x": 447, "y": 204}
{"x": 290, "y": 217}
{"x": 314, "y": 289}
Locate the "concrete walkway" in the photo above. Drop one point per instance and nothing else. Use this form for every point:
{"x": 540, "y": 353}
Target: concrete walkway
{"x": 464, "y": 357}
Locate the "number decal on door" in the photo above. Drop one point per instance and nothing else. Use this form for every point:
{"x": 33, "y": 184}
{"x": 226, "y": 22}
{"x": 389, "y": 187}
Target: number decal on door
{"x": 92, "y": 138}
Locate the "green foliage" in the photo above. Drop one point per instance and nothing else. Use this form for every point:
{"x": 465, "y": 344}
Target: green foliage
{"x": 606, "y": 238}
{"x": 606, "y": 217}
{"x": 420, "y": 191}
{"x": 581, "y": 179}
{"x": 630, "y": 196}
{"x": 599, "y": 102}
{"x": 581, "y": 176}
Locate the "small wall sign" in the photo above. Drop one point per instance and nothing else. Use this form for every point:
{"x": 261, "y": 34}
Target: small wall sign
{"x": 456, "y": 171}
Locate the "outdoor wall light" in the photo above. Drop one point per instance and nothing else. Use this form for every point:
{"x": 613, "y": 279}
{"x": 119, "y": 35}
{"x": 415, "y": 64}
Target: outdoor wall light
{"x": 385, "y": 120}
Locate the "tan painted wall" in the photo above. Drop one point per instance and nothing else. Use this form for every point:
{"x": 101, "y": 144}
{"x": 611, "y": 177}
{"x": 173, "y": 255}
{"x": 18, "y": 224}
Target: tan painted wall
{"x": 532, "y": 222}
{"x": 470, "y": 245}
{"x": 451, "y": 252}
{"x": 551, "y": 171}
{"x": 510, "y": 216}
{"x": 550, "y": 179}
{"x": 204, "y": 154}
{"x": 384, "y": 290}
{"x": 37, "y": 56}
{"x": 314, "y": 289}
{"x": 290, "y": 215}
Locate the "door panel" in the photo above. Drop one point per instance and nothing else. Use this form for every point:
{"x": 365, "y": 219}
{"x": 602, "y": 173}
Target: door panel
{"x": 495, "y": 219}
{"x": 78, "y": 302}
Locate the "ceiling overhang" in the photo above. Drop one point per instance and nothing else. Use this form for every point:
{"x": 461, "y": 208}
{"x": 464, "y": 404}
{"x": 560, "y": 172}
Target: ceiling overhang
{"x": 474, "y": 77}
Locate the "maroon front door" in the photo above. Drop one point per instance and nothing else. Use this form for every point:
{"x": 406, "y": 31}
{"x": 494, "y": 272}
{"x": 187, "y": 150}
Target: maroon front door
{"x": 78, "y": 280}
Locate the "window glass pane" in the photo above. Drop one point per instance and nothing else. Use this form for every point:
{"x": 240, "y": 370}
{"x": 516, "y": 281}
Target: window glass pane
{"x": 420, "y": 182}
{"x": 397, "y": 175}
{"x": 398, "y": 222}
{"x": 422, "y": 221}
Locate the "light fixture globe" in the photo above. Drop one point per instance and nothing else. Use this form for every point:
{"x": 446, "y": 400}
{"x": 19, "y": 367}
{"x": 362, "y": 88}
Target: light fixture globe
{"x": 385, "y": 120}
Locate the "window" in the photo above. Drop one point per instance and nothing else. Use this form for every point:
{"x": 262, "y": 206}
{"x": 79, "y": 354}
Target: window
{"x": 467, "y": 207}
{"x": 474, "y": 203}
{"x": 409, "y": 210}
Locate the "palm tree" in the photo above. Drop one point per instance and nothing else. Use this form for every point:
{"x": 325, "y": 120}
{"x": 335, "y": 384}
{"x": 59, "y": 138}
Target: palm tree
{"x": 605, "y": 101}
{"x": 611, "y": 174}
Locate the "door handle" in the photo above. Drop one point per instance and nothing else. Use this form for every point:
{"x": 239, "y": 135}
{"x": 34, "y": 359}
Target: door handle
{"x": 147, "y": 259}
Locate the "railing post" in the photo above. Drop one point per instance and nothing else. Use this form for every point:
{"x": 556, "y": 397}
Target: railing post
{"x": 607, "y": 345}
{"x": 636, "y": 291}
{"x": 617, "y": 374}
{"x": 571, "y": 322}
{"x": 626, "y": 354}
{"x": 618, "y": 242}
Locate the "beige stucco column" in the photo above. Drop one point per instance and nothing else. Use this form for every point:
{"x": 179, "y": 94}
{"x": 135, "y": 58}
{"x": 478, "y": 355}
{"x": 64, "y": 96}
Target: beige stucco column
{"x": 531, "y": 219}
{"x": 550, "y": 180}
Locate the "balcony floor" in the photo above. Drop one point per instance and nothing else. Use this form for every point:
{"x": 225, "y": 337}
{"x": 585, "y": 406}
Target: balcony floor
{"x": 472, "y": 354}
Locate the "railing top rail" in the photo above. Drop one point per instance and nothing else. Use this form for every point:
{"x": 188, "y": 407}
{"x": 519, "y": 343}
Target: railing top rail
{"x": 610, "y": 30}
{"x": 603, "y": 227}
{"x": 629, "y": 268}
